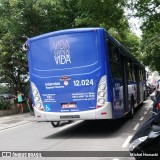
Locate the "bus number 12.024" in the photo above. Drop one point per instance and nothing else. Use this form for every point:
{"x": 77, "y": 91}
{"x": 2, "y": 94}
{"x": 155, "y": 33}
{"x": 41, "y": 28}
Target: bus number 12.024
{"x": 85, "y": 82}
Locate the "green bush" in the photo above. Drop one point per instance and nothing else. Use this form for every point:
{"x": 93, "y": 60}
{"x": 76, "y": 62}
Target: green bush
{"x": 4, "y": 104}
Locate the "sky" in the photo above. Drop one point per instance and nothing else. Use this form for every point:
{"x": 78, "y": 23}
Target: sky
{"x": 135, "y": 26}
{"x": 134, "y": 22}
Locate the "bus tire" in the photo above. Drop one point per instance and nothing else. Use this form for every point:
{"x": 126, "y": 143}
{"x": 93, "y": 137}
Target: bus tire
{"x": 55, "y": 123}
{"x": 131, "y": 113}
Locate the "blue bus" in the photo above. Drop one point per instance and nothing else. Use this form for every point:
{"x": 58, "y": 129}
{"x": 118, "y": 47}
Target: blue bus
{"x": 83, "y": 74}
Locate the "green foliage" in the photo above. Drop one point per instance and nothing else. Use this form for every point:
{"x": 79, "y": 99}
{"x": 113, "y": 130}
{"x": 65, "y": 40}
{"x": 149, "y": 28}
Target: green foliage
{"x": 20, "y": 19}
{"x": 4, "y": 103}
{"x": 102, "y": 12}
{"x": 109, "y": 15}
{"x": 4, "y": 88}
{"x": 149, "y": 11}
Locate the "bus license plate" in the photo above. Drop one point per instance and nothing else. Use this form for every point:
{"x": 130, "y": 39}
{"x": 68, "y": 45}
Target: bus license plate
{"x": 68, "y": 105}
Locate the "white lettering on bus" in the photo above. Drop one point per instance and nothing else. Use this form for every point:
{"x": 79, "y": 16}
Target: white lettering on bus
{"x": 62, "y": 52}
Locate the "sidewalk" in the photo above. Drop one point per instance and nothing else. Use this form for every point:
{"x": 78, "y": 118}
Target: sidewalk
{"x": 15, "y": 120}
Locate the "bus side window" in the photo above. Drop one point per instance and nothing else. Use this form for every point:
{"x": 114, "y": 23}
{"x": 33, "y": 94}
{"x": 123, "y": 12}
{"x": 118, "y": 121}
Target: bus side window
{"x": 140, "y": 78}
{"x": 133, "y": 72}
{"x": 140, "y": 75}
{"x": 129, "y": 69}
{"x": 114, "y": 60}
{"x": 144, "y": 75}
{"x": 136, "y": 72}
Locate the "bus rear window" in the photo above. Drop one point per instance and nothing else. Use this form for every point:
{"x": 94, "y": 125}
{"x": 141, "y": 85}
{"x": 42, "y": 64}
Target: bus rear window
{"x": 65, "y": 51}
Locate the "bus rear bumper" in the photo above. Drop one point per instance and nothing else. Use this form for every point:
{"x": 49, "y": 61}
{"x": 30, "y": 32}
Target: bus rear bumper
{"x": 104, "y": 112}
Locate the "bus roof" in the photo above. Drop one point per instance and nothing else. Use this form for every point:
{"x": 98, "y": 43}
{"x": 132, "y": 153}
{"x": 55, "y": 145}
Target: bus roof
{"x": 66, "y": 31}
{"x": 76, "y": 30}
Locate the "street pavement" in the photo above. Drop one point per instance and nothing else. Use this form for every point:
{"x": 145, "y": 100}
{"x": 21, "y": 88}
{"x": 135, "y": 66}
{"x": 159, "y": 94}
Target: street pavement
{"x": 21, "y": 133}
{"x": 11, "y": 121}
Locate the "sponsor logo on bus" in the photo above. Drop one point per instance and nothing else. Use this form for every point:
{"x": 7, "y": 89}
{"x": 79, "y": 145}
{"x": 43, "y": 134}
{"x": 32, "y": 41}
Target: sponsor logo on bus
{"x": 61, "y": 52}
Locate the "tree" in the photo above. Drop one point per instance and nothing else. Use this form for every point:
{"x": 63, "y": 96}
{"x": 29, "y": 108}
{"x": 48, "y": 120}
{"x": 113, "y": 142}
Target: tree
{"x": 110, "y": 15}
{"x": 13, "y": 66}
{"x": 20, "y": 19}
{"x": 148, "y": 10}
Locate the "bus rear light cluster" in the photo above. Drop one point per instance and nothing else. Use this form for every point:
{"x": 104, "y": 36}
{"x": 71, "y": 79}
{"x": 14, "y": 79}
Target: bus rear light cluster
{"x": 38, "y": 105}
{"x": 35, "y": 92}
{"x": 102, "y": 87}
{"x": 98, "y": 106}
{"x": 37, "y": 98}
{"x": 101, "y": 100}
{"x": 101, "y": 95}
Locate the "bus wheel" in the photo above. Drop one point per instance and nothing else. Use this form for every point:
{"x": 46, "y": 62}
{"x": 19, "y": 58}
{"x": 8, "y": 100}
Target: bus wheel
{"x": 131, "y": 113}
{"x": 55, "y": 123}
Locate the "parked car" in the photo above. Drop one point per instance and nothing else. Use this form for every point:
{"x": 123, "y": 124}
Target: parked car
{"x": 6, "y": 96}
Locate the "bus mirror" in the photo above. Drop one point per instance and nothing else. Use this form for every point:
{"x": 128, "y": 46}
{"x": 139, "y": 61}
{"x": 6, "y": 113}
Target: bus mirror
{"x": 25, "y": 47}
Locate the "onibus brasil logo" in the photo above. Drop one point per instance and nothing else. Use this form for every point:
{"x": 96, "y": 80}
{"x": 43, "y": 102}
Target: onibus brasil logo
{"x": 62, "y": 52}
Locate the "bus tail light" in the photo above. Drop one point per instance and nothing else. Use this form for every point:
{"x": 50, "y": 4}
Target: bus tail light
{"x": 37, "y": 98}
{"x": 98, "y": 106}
{"x": 103, "y": 113}
{"x": 101, "y": 93}
{"x": 101, "y": 101}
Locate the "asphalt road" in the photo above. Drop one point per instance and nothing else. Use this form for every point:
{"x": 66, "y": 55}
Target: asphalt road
{"x": 98, "y": 137}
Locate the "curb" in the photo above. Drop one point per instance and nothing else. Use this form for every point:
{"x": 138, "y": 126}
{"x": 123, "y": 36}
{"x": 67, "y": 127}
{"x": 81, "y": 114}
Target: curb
{"x": 13, "y": 110}
{"x": 8, "y": 112}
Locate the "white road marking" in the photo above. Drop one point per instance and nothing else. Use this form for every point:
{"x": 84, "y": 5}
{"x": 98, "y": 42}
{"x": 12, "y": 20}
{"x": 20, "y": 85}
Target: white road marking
{"x": 136, "y": 126}
{"x": 70, "y": 125}
{"x": 126, "y": 142}
{"x": 145, "y": 112}
{"x": 150, "y": 105}
{"x": 16, "y": 126}
{"x": 141, "y": 119}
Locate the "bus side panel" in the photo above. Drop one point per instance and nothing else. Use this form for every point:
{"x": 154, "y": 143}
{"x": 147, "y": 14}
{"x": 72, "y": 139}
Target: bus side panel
{"x": 116, "y": 85}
